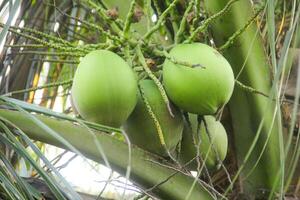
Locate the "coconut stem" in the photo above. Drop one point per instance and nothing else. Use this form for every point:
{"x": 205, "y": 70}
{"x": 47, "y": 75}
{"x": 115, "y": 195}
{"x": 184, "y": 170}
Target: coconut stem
{"x": 157, "y": 124}
{"x": 153, "y": 77}
{"x": 208, "y": 21}
{"x": 232, "y": 38}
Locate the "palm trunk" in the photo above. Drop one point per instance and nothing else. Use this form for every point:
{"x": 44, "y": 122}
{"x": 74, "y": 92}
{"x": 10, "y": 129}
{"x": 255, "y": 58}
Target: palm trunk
{"x": 251, "y": 114}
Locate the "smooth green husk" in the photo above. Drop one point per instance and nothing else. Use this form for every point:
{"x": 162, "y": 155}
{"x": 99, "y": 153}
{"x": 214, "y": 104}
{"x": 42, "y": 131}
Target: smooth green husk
{"x": 252, "y": 115}
{"x": 141, "y": 128}
{"x": 104, "y": 88}
{"x": 214, "y": 142}
{"x": 202, "y": 89}
{"x": 144, "y": 171}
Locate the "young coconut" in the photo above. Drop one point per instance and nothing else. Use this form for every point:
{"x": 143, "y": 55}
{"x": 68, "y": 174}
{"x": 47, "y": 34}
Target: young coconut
{"x": 104, "y": 88}
{"x": 212, "y": 144}
{"x": 203, "y": 88}
{"x": 141, "y": 128}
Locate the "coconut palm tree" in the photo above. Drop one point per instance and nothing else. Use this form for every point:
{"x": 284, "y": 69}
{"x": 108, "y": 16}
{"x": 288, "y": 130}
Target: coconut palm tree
{"x": 42, "y": 43}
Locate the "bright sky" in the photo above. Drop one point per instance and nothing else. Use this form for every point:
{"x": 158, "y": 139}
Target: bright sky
{"x": 88, "y": 176}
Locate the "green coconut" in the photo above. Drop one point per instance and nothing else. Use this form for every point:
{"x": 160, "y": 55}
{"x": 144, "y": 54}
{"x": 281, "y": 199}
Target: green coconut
{"x": 104, "y": 88}
{"x": 202, "y": 89}
{"x": 212, "y": 145}
{"x": 141, "y": 129}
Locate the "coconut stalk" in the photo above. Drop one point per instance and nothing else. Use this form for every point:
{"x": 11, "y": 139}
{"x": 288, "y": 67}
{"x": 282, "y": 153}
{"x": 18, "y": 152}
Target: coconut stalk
{"x": 145, "y": 168}
{"x": 252, "y": 115}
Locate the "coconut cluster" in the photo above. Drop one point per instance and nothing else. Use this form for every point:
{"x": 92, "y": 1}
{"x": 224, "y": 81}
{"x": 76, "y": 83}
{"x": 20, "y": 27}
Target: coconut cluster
{"x": 105, "y": 90}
